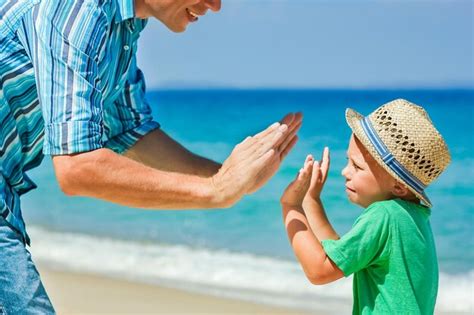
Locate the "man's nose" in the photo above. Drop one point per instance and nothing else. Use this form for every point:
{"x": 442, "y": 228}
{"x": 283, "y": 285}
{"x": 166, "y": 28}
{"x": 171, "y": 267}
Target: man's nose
{"x": 214, "y": 5}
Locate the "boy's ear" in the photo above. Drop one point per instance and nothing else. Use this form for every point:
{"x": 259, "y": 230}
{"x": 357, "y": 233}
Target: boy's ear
{"x": 400, "y": 190}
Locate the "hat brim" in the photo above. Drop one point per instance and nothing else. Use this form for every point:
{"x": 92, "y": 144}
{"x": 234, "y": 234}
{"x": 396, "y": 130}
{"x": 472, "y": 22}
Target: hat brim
{"x": 353, "y": 119}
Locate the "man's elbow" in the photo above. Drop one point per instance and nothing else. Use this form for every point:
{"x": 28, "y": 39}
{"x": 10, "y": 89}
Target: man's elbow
{"x": 68, "y": 174}
{"x": 67, "y": 188}
{"x": 66, "y": 181}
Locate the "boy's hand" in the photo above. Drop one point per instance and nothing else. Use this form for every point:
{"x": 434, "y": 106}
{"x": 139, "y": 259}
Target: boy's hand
{"x": 319, "y": 175}
{"x": 297, "y": 189}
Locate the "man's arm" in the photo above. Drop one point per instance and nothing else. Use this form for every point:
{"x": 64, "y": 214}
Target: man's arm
{"x": 160, "y": 151}
{"x": 106, "y": 175}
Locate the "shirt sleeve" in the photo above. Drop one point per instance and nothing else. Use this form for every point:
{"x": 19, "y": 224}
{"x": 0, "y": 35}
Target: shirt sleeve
{"x": 130, "y": 117}
{"x": 365, "y": 244}
{"x": 68, "y": 39}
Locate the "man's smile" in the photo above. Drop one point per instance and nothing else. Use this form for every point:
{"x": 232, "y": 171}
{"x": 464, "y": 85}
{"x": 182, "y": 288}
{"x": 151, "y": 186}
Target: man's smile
{"x": 193, "y": 17}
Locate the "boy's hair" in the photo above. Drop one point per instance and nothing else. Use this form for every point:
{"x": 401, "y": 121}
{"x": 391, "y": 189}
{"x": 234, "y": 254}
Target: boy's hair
{"x": 401, "y": 137}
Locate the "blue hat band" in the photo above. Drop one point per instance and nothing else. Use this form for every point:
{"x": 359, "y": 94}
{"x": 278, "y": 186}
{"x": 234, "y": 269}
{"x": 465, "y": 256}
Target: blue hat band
{"x": 389, "y": 159}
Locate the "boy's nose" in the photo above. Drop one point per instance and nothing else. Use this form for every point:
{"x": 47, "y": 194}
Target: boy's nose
{"x": 214, "y": 5}
{"x": 345, "y": 172}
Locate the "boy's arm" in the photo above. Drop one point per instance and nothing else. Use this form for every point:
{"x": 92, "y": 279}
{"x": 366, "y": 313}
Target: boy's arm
{"x": 312, "y": 204}
{"x": 319, "y": 269}
{"x": 317, "y": 219}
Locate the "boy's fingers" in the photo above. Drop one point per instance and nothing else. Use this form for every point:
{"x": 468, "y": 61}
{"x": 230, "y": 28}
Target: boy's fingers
{"x": 325, "y": 163}
{"x": 316, "y": 169}
{"x": 308, "y": 169}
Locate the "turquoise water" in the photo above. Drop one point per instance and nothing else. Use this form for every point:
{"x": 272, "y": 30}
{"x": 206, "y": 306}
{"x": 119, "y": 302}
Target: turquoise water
{"x": 211, "y": 123}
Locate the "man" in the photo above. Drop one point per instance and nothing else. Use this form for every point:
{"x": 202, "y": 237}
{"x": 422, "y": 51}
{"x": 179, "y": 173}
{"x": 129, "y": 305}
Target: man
{"x": 70, "y": 88}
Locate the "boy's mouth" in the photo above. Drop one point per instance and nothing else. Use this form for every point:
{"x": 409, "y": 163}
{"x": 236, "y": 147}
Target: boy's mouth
{"x": 350, "y": 190}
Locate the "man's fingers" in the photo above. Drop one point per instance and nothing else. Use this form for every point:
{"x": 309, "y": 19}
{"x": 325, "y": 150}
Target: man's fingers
{"x": 270, "y": 141}
{"x": 288, "y": 119}
{"x": 265, "y": 161}
{"x": 298, "y": 118}
{"x": 249, "y": 141}
{"x": 288, "y": 138}
{"x": 276, "y": 134}
{"x": 288, "y": 147}
{"x": 294, "y": 125}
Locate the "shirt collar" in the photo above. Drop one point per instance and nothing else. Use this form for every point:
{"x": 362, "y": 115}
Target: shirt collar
{"x": 126, "y": 9}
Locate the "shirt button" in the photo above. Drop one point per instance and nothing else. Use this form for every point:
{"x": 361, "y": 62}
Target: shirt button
{"x": 126, "y": 47}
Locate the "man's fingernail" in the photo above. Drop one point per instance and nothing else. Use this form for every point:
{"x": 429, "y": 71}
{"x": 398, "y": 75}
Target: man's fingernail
{"x": 283, "y": 128}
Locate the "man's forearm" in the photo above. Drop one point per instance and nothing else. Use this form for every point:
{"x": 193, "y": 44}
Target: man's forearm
{"x": 160, "y": 151}
{"x": 106, "y": 175}
{"x": 318, "y": 220}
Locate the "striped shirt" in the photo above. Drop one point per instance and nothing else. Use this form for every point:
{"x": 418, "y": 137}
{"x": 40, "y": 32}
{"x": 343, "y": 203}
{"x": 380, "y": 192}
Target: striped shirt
{"x": 69, "y": 83}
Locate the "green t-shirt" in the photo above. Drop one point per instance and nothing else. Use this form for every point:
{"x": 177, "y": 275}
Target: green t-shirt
{"x": 391, "y": 251}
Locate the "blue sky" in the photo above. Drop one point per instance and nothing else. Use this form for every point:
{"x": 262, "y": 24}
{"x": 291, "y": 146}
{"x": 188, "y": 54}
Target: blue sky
{"x": 316, "y": 44}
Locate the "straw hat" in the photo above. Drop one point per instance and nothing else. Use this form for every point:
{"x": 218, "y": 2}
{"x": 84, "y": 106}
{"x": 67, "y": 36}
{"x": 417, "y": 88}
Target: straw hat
{"x": 402, "y": 139}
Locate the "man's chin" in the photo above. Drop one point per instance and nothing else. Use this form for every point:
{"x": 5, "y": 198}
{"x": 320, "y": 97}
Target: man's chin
{"x": 177, "y": 28}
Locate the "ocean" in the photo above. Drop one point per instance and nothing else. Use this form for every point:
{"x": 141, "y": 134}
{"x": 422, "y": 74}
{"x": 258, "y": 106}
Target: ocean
{"x": 243, "y": 252}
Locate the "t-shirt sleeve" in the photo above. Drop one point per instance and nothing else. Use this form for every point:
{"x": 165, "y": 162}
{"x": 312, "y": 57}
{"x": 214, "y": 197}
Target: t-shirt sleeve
{"x": 68, "y": 39}
{"x": 365, "y": 244}
{"x": 130, "y": 118}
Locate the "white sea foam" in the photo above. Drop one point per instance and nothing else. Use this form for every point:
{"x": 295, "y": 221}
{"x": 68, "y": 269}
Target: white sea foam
{"x": 239, "y": 275}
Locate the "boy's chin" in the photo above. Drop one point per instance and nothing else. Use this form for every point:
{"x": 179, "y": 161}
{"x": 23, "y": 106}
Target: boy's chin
{"x": 353, "y": 199}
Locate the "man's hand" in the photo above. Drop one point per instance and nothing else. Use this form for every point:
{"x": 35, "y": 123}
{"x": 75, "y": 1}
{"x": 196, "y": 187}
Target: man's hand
{"x": 295, "y": 192}
{"x": 319, "y": 176}
{"x": 253, "y": 161}
{"x": 282, "y": 148}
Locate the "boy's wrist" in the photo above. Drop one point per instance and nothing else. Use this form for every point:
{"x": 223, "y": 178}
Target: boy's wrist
{"x": 291, "y": 206}
{"x": 310, "y": 201}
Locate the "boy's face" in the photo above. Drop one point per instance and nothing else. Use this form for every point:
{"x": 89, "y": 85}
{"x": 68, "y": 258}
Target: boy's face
{"x": 366, "y": 181}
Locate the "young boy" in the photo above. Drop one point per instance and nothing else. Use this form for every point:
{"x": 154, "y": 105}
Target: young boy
{"x": 393, "y": 154}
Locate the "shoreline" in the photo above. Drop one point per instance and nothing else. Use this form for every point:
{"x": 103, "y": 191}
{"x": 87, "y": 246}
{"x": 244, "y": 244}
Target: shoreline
{"x": 84, "y": 293}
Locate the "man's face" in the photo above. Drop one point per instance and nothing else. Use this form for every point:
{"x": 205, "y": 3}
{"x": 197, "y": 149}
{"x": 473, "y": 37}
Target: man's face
{"x": 366, "y": 180}
{"x": 175, "y": 14}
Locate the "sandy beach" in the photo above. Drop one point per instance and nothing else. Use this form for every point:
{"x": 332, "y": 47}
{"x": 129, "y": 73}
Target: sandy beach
{"x": 78, "y": 293}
